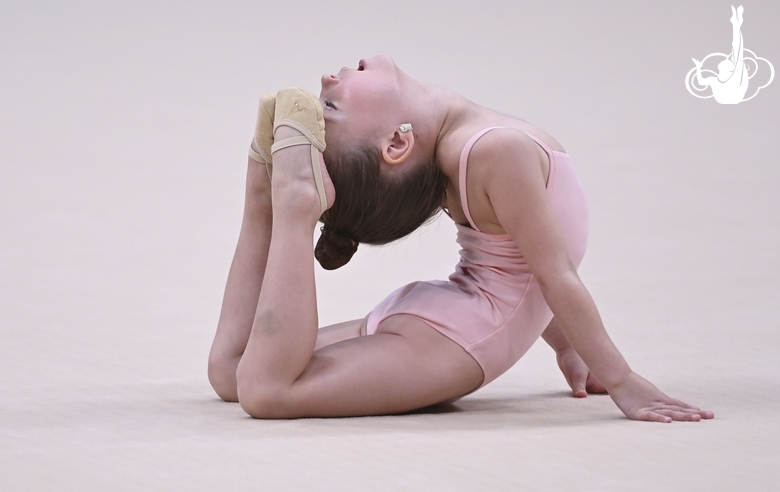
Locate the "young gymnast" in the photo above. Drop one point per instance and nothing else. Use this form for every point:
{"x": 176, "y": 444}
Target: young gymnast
{"x": 398, "y": 150}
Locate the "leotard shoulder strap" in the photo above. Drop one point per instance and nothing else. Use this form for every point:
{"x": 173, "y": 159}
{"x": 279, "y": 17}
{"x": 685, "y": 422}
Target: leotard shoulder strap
{"x": 462, "y": 171}
{"x": 464, "y": 162}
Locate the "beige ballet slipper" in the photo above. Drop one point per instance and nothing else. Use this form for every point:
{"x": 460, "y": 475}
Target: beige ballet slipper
{"x": 301, "y": 110}
{"x": 260, "y": 149}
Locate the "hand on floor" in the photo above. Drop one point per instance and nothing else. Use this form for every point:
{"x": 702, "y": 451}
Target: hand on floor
{"x": 639, "y": 399}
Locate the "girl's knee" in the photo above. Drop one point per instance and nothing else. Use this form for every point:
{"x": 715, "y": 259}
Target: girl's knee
{"x": 222, "y": 376}
{"x": 260, "y": 397}
{"x": 263, "y": 401}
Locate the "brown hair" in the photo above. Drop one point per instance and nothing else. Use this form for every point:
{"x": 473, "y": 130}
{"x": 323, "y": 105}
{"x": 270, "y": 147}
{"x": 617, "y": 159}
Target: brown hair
{"x": 373, "y": 207}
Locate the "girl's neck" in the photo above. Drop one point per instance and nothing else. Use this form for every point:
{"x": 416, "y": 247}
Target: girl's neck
{"x": 439, "y": 112}
{"x": 442, "y": 113}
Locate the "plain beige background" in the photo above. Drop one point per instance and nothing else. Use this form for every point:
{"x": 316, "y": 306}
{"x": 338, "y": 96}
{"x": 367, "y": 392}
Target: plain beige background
{"x": 123, "y": 136}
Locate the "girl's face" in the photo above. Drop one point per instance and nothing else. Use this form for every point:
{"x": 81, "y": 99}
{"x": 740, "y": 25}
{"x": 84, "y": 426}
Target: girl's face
{"x": 363, "y": 103}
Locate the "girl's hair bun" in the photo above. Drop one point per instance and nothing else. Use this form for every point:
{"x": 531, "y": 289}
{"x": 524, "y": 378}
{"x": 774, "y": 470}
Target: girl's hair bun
{"x": 334, "y": 250}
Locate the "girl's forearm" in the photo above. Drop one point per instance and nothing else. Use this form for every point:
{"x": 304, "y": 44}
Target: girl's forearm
{"x": 580, "y": 322}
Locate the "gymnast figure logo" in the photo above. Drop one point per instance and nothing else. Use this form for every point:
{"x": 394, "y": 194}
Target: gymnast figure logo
{"x": 735, "y": 70}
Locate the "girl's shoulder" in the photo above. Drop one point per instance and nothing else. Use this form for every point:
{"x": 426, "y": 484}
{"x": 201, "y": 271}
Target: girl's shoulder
{"x": 502, "y": 152}
{"x": 503, "y": 130}
{"x": 494, "y": 159}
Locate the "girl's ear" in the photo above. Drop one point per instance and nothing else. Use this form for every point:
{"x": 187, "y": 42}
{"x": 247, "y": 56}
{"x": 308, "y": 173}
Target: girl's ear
{"x": 399, "y": 147}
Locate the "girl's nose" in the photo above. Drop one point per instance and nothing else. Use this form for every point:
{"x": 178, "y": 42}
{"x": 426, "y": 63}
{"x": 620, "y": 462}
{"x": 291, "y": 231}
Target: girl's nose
{"x": 329, "y": 79}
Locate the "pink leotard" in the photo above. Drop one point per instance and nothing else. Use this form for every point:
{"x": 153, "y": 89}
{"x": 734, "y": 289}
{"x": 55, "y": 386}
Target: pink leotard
{"x": 492, "y": 305}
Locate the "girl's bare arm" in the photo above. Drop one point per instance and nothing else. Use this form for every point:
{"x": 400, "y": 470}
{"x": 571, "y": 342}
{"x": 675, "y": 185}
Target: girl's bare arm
{"x": 520, "y": 201}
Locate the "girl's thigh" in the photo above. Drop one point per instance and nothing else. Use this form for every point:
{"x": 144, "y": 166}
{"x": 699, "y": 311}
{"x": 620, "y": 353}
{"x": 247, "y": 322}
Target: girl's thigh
{"x": 404, "y": 366}
{"x": 328, "y": 335}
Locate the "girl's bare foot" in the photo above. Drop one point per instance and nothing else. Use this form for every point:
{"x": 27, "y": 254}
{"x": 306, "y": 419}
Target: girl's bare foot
{"x": 293, "y": 178}
{"x": 257, "y": 198}
{"x": 577, "y": 374}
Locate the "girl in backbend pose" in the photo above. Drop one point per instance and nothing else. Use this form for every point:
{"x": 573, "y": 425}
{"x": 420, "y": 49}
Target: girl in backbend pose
{"x": 398, "y": 150}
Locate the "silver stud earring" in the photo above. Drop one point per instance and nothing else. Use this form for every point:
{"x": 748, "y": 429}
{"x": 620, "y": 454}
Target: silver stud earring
{"x": 406, "y": 127}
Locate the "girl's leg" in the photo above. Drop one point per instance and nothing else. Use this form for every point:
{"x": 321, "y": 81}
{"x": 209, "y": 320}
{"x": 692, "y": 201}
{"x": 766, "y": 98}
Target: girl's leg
{"x": 243, "y": 288}
{"x": 243, "y": 285}
{"x": 405, "y": 365}
{"x": 570, "y": 363}
{"x": 329, "y": 335}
